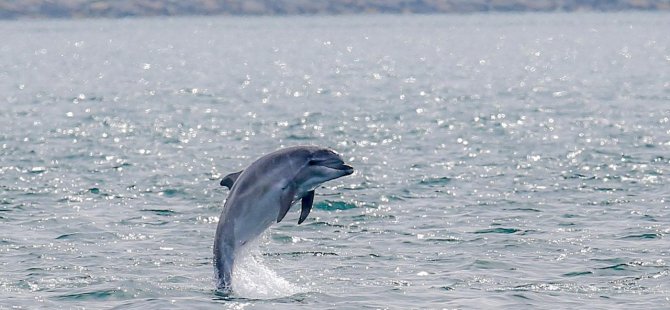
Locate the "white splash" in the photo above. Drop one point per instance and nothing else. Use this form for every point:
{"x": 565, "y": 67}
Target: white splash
{"x": 253, "y": 279}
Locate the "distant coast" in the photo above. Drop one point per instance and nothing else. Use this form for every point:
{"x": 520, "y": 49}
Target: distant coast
{"x": 13, "y": 9}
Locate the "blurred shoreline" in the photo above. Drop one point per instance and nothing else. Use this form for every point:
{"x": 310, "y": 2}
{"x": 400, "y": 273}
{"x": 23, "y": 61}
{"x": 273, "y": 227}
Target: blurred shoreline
{"x": 30, "y": 9}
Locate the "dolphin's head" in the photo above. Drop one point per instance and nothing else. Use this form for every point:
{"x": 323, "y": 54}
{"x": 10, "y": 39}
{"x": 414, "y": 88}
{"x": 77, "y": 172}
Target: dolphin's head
{"x": 321, "y": 165}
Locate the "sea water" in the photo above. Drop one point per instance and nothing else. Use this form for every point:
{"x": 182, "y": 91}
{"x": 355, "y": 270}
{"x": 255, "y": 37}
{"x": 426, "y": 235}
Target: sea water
{"x": 506, "y": 161}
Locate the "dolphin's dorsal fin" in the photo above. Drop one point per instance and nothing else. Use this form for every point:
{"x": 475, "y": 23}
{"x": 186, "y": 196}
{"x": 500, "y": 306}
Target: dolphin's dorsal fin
{"x": 230, "y": 179}
{"x": 307, "y": 202}
{"x": 286, "y": 200}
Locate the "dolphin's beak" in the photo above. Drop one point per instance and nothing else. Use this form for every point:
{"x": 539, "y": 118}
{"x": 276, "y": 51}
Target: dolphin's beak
{"x": 337, "y": 164}
{"x": 347, "y": 169}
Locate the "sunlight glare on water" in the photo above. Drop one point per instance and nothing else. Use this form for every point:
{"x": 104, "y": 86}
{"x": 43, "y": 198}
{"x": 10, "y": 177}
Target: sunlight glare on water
{"x": 503, "y": 161}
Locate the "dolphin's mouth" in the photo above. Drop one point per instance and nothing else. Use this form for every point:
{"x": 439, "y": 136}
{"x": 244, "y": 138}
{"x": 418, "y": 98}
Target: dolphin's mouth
{"x": 337, "y": 165}
{"x": 347, "y": 169}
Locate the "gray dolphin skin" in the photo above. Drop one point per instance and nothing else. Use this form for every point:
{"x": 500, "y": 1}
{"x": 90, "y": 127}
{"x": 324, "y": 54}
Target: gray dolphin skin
{"x": 263, "y": 193}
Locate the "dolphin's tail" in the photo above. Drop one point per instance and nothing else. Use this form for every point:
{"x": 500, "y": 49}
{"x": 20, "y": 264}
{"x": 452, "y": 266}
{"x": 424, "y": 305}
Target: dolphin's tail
{"x": 224, "y": 258}
{"x": 223, "y": 264}
{"x": 224, "y": 278}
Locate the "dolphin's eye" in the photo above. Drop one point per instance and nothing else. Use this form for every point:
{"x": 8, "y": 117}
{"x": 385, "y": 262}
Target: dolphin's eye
{"x": 312, "y": 162}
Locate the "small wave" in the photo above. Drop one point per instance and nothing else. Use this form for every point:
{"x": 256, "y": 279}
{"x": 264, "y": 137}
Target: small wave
{"x": 94, "y": 190}
{"x": 623, "y": 266}
{"x": 300, "y": 253}
{"x": 524, "y": 210}
{"x": 577, "y": 273}
{"x": 643, "y": 236}
{"x": 448, "y": 239}
{"x": 322, "y": 223}
{"x": 162, "y": 212}
{"x": 435, "y": 181}
{"x": 86, "y": 236}
{"x": 579, "y": 176}
{"x": 172, "y": 192}
{"x": 95, "y": 295}
{"x": 499, "y": 230}
{"x": 330, "y": 205}
{"x": 296, "y": 137}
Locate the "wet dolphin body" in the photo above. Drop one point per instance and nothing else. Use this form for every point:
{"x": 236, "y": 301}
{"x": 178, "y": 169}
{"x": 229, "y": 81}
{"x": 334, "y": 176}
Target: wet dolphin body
{"x": 262, "y": 194}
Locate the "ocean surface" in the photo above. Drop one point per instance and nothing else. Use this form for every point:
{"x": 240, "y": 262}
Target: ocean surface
{"x": 512, "y": 161}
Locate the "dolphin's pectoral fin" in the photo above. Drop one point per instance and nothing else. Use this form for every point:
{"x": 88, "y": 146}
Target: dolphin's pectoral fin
{"x": 230, "y": 179}
{"x": 307, "y": 202}
{"x": 285, "y": 201}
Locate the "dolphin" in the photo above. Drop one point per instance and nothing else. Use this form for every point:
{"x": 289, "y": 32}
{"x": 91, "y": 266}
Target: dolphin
{"x": 263, "y": 193}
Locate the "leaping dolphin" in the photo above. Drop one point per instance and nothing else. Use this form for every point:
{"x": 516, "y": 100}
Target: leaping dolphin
{"x": 263, "y": 193}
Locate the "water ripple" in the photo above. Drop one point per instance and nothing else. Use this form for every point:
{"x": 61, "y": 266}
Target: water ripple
{"x": 512, "y": 161}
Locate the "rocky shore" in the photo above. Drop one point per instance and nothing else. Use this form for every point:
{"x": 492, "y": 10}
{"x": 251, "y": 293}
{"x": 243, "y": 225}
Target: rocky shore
{"x": 13, "y": 9}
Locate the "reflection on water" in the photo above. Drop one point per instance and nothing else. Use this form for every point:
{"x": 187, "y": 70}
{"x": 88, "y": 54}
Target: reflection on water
{"x": 501, "y": 160}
